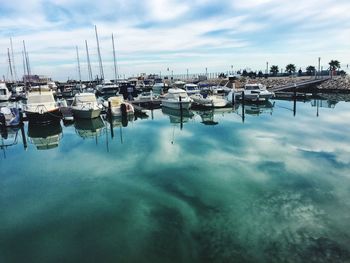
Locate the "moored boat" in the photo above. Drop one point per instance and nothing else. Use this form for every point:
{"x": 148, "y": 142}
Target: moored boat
{"x": 209, "y": 101}
{"x": 176, "y": 99}
{"x": 85, "y": 106}
{"x": 5, "y": 94}
{"x": 41, "y": 106}
{"x": 119, "y": 107}
{"x": 9, "y": 117}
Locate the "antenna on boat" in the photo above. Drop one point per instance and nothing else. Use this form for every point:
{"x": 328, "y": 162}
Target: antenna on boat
{"x": 78, "y": 64}
{"x": 99, "y": 56}
{"x": 88, "y": 61}
{"x": 13, "y": 61}
{"x": 115, "y": 62}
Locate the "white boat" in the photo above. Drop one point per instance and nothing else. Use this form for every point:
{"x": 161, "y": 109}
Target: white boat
{"x": 256, "y": 92}
{"x": 118, "y": 106}
{"x": 9, "y": 117}
{"x": 146, "y": 96}
{"x": 212, "y": 101}
{"x": 41, "y": 106}
{"x": 85, "y": 106}
{"x": 107, "y": 88}
{"x": 176, "y": 99}
{"x": 191, "y": 89}
{"x": 159, "y": 87}
{"x": 5, "y": 94}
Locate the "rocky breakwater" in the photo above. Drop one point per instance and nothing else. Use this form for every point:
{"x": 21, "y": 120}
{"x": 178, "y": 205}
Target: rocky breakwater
{"x": 336, "y": 84}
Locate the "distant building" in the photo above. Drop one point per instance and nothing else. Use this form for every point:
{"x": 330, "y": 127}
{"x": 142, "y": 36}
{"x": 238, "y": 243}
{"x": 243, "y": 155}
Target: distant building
{"x": 36, "y": 78}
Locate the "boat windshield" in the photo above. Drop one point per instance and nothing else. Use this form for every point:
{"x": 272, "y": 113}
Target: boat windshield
{"x": 2, "y": 92}
{"x": 86, "y": 99}
{"x": 251, "y": 87}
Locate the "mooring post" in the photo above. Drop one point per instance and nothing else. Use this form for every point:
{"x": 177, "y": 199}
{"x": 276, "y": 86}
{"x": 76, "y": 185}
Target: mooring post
{"x": 110, "y": 117}
{"x": 295, "y": 100}
{"x": 243, "y": 101}
{"x": 24, "y": 137}
{"x": 181, "y": 112}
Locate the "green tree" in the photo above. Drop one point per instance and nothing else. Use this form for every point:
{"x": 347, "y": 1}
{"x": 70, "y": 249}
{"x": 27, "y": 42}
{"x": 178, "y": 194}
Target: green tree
{"x": 274, "y": 70}
{"x": 334, "y": 65}
{"x": 290, "y": 68}
{"x": 310, "y": 70}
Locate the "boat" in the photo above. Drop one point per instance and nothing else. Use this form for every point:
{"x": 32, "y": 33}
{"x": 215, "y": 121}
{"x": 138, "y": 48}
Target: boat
{"x": 159, "y": 87}
{"x": 45, "y": 137}
{"x": 9, "y": 117}
{"x": 40, "y": 106}
{"x": 191, "y": 89}
{"x": 146, "y": 96}
{"x": 107, "y": 88}
{"x": 209, "y": 101}
{"x": 176, "y": 99}
{"x": 85, "y": 106}
{"x": 5, "y": 94}
{"x": 119, "y": 107}
{"x": 256, "y": 92}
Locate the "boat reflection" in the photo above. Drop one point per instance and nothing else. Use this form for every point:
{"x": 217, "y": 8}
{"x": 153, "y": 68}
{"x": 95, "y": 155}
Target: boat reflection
{"x": 256, "y": 109}
{"x": 178, "y": 116}
{"x": 207, "y": 116}
{"x": 89, "y": 128}
{"x": 45, "y": 137}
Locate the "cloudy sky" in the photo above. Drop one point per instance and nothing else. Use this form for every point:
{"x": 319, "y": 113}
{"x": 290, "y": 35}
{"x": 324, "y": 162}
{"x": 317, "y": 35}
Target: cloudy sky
{"x": 152, "y": 36}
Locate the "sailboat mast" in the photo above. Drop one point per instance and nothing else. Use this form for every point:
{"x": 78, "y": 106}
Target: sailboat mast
{"x": 8, "y": 54}
{"x": 78, "y": 64}
{"x": 13, "y": 61}
{"x": 26, "y": 58}
{"x": 99, "y": 56}
{"x": 88, "y": 61}
{"x": 115, "y": 61}
{"x": 24, "y": 65}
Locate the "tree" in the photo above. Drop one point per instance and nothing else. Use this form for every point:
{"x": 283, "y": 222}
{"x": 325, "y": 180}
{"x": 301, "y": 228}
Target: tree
{"x": 310, "y": 70}
{"x": 274, "y": 70}
{"x": 334, "y": 64}
{"x": 300, "y": 72}
{"x": 260, "y": 74}
{"x": 290, "y": 68}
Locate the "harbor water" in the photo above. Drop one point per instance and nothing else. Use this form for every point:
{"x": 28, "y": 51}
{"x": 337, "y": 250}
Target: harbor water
{"x": 263, "y": 183}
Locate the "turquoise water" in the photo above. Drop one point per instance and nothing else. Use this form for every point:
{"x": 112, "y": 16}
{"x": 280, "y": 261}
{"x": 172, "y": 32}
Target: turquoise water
{"x": 272, "y": 188}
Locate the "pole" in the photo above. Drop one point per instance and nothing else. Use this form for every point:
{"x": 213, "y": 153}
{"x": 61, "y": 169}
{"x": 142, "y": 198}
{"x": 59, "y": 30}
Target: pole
{"x": 295, "y": 100}
{"x": 13, "y": 60}
{"x": 115, "y": 62}
{"x": 26, "y": 58}
{"x": 99, "y": 56}
{"x": 8, "y": 54}
{"x": 88, "y": 61}
{"x": 79, "y": 72}
{"x": 181, "y": 113}
{"x": 243, "y": 112}
{"x": 319, "y": 63}
{"x": 110, "y": 117}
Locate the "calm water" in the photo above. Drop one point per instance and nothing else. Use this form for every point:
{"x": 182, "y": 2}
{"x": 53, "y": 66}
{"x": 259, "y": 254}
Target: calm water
{"x": 274, "y": 188}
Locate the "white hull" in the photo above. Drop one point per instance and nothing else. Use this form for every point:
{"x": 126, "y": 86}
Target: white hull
{"x": 86, "y": 113}
{"x": 210, "y": 101}
{"x": 176, "y": 104}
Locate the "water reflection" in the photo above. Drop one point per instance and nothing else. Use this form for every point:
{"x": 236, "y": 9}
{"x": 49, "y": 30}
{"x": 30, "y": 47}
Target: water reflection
{"x": 89, "y": 128}
{"x": 45, "y": 137}
{"x": 9, "y": 137}
{"x": 176, "y": 116}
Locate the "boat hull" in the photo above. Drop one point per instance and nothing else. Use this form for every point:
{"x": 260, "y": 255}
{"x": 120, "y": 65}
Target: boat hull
{"x": 45, "y": 117}
{"x": 86, "y": 114}
{"x": 177, "y": 105}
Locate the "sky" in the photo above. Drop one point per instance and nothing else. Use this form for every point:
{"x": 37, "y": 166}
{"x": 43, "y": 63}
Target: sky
{"x": 164, "y": 36}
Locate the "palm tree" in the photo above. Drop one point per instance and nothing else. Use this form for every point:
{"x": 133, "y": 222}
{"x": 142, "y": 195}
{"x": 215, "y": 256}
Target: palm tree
{"x": 310, "y": 70}
{"x": 334, "y": 64}
{"x": 274, "y": 70}
{"x": 290, "y": 68}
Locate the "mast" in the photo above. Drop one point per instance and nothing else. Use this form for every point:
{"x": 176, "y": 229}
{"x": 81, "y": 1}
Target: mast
{"x": 24, "y": 65}
{"x": 88, "y": 61}
{"x": 26, "y": 58}
{"x": 99, "y": 56}
{"x": 78, "y": 64}
{"x": 8, "y": 54}
{"x": 13, "y": 61}
{"x": 115, "y": 62}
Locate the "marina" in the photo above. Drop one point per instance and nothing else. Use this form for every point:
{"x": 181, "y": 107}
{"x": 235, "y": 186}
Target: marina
{"x": 140, "y": 186}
